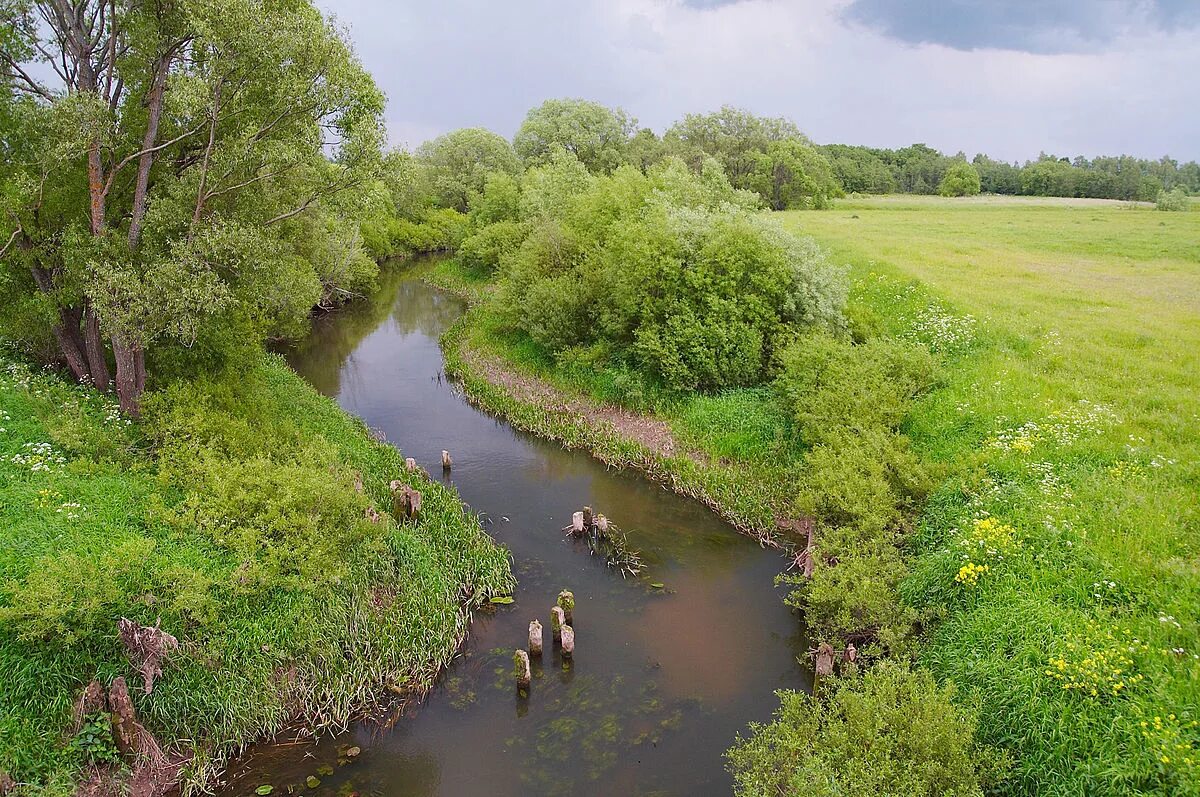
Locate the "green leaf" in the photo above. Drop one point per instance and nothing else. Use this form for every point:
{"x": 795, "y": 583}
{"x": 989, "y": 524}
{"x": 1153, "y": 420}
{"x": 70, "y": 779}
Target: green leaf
{"x": 503, "y": 599}
{"x": 658, "y": 585}
{"x": 264, "y": 790}
{"x": 312, "y": 781}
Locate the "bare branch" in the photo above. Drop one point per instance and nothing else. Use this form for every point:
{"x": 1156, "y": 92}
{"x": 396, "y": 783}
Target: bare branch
{"x": 150, "y": 150}
{"x": 11, "y": 238}
{"x": 31, "y": 85}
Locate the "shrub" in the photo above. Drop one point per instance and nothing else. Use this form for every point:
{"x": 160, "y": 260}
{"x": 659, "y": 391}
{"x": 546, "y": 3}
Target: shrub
{"x": 1175, "y": 200}
{"x": 892, "y": 731}
{"x": 960, "y": 179}
{"x": 482, "y": 251}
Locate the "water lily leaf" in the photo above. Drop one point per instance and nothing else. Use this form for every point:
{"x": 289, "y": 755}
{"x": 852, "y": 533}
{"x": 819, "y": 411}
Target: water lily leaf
{"x": 264, "y": 790}
{"x": 658, "y": 585}
{"x": 351, "y": 752}
{"x": 313, "y": 781}
{"x": 325, "y": 770}
{"x": 503, "y": 599}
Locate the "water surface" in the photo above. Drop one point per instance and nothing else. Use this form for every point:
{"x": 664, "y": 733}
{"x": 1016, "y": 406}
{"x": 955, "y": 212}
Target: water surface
{"x": 662, "y": 680}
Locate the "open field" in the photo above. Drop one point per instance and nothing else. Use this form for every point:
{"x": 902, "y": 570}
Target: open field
{"x": 1072, "y": 417}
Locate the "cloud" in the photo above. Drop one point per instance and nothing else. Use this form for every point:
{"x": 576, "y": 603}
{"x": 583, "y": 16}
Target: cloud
{"x": 456, "y": 63}
{"x": 1037, "y": 26}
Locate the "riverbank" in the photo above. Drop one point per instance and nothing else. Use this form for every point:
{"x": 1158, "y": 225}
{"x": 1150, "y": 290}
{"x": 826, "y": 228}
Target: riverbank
{"x": 237, "y": 517}
{"x": 1060, "y": 525}
{"x": 553, "y": 405}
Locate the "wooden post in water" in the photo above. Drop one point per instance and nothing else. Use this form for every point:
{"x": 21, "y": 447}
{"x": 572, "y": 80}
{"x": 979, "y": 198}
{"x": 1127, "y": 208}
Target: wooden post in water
{"x": 521, "y": 671}
{"x": 568, "y": 641}
{"x": 446, "y": 463}
{"x": 557, "y": 621}
{"x": 566, "y": 602}
{"x": 577, "y": 526}
{"x": 535, "y": 638}
{"x": 601, "y": 525}
{"x": 587, "y": 518}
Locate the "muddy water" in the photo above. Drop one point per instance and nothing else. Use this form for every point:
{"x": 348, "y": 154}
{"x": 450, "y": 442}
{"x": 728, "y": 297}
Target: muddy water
{"x": 662, "y": 679}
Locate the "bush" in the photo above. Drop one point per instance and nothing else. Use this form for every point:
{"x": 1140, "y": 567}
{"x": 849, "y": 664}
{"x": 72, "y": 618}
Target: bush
{"x": 1175, "y": 200}
{"x": 891, "y": 732}
{"x": 670, "y": 271}
{"x": 482, "y": 251}
{"x": 961, "y": 179}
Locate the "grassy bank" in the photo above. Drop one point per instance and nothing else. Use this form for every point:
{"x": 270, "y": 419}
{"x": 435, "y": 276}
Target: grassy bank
{"x": 231, "y": 515}
{"x": 1057, "y": 563}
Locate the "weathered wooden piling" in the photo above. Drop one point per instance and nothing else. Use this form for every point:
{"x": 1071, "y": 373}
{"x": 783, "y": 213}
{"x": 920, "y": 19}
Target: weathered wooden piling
{"x": 410, "y": 463}
{"x": 535, "y": 638}
{"x": 446, "y": 461}
{"x": 557, "y": 621}
{"x": 568, "y": 641}
{"x": 521, "y": 670}
{"x": 566, "y": 602}
{"x": 587, "y": 517}
{"x": 577, "y": 527}
{"x": 601, "y": 525}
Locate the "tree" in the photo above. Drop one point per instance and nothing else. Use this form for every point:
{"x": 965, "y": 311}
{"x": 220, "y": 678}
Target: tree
{"x": 859, "y": 170}
{"x": 794, "y": 174}
{"x": 735, "y": 137}
{"x": 644, "y": 150}
{"x": 459, "y": 163}
{"x": 593, "y": 133}
{"x": 997, "y": 177}
{"x": 190, "y": 158}
{"x": 960, "y": 179}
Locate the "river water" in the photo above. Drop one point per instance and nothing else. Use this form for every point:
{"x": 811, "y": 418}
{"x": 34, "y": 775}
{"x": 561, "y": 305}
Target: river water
{"x": 663, "y": 679}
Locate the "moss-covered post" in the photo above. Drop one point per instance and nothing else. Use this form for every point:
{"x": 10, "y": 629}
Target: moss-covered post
{"x": 566, "y": 601}
{"x": 535, "y": 638}
{"x": 568, "y": 642}
{"x": 557, "y": 621}
{"x": 522, "y": 672}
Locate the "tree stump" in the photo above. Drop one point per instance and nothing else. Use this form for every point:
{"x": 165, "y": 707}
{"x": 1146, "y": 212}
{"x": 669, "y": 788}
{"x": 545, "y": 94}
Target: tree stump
{"x": 557, "y": 621}
{"x": 406, "y": 502}
{"x": 521, "y": 670}
{"x": 124, "y": 718}
{"x": 587, "y": 517}
{"x": 446, "y": 462}
{"x": 568, "y": 641}
{"x": 410, "y": 463}
{"x": 90, "y": 702}
{"x": 824, "y": 666}
{"x": 601, "y": 525}
{"x": 566, "y": 602}
{"x": 146, "y": 647}
{"x": 577, "y": 526}
{"x": 535, "y": 638}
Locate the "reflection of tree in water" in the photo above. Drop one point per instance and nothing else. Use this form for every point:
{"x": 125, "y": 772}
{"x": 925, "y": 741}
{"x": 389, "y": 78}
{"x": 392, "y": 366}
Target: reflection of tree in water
{"x": 400, "y": 295}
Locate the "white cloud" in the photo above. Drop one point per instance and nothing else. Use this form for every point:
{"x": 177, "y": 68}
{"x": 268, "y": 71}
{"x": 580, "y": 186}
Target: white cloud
{"x": 459, "y": 63}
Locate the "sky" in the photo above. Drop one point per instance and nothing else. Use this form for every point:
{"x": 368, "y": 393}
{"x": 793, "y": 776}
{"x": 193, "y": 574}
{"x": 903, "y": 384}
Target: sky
{"x": 1011, "y": 78}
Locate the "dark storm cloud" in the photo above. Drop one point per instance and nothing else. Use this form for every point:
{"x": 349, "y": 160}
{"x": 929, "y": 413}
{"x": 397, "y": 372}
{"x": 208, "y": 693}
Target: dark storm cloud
{"x": 1037, "y": 26}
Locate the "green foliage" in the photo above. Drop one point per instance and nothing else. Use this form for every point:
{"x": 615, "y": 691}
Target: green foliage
{"x": 735, "y": 137}
{"x": 483, "y": 251}
{"x": 597, "y": 136}
{"x": 891, "y": 732}
{"x": 94, "y": 740}
{"x": 1174, "y": 200}
{"x": 663, "y": 269}
{"x": 859, "y": 170}
{"x": 961, "y": 179}
{"x": 794, "y": 174}
{"x": 458, "y": 164}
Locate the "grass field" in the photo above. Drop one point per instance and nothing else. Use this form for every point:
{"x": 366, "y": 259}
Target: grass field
{"x": 1072, "y": 418}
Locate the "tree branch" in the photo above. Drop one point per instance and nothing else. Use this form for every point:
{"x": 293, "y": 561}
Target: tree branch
{"x": 11, "y": 238}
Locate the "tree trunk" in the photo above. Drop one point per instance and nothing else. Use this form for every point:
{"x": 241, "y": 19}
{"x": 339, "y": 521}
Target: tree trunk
{"x": 154, "y": 102}
{"x": 94, "y": 348}
{"x": 70, "y": 343}
{"x": 129, "y": 393}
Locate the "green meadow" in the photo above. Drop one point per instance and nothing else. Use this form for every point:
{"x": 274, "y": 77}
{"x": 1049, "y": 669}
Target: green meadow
{"x": 1070, "y": 417}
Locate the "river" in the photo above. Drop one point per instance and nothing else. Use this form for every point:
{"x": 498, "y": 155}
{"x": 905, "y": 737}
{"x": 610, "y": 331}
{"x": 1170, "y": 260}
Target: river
{"x": 663, "y": 679}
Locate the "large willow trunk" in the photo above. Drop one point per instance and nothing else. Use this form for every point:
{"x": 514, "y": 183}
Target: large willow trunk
{"x": 131, "y": 375}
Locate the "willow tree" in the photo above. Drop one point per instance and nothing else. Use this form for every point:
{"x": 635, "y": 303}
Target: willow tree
{"x": 190, "y": 158}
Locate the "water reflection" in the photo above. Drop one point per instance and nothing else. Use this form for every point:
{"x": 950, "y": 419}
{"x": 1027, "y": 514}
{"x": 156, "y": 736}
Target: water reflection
{"x": 662, "y": 680}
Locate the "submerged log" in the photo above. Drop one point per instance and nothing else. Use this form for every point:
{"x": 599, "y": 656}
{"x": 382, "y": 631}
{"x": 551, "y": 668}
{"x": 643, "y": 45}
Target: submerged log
{"x": 521, "y": 670}
{"x": 535, "y": 638}
{"x": 566, "y": 602}
{"x": 568, "y": 641}
{"x": 557, "y": 621}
